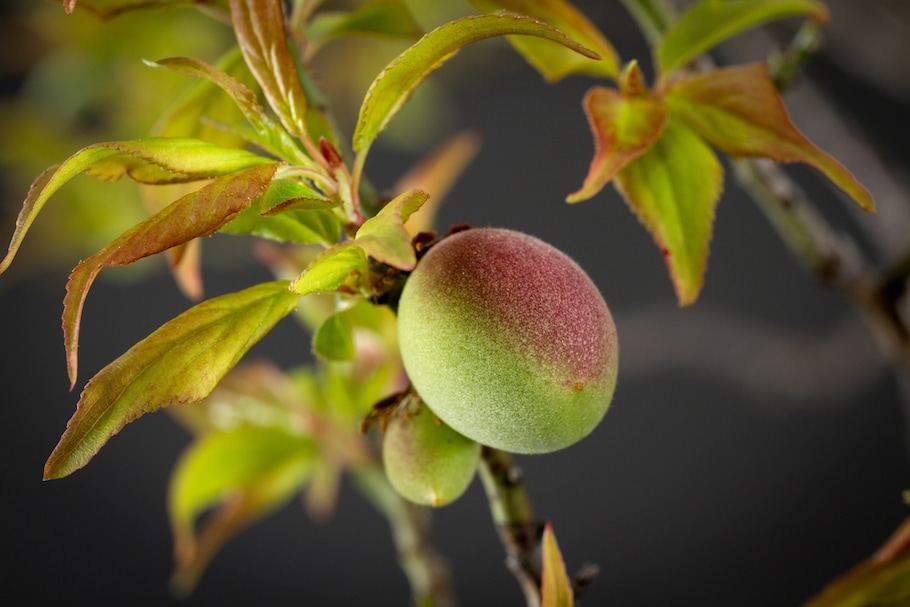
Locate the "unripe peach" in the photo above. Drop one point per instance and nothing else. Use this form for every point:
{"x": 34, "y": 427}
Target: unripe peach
{"x": 508, "y": 341}
{"x": 425, "y": 460}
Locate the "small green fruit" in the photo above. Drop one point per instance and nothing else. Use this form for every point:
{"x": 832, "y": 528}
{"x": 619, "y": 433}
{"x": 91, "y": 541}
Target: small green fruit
{"x": 425, "y": 460}
{"x": 508, "y": 340}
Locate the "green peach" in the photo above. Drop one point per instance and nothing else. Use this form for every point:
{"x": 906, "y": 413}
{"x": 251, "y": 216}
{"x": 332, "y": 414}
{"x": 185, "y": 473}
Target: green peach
{"x": 425, "y": 460}
{"x": 508, "y": 340}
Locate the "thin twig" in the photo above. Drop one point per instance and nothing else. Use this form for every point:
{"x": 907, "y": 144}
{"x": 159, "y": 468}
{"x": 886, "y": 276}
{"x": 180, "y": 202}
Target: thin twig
{"x": 513, "y": 517}
{"x": 427, "y": 571}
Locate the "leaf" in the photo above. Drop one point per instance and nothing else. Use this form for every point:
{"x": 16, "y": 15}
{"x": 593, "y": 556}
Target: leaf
{"x": 289, "y": 194}
{"x": 340, "y": 268}
{"x": 262, "y": 35}
{"x": 394, "y": 86}
{"x": 555, "y": 588}
{"x": 296, "y": 226}
{"x": 289, "y": 211}
{"x": 247, "y": 472}
{"x": 255, "y": 392}
{"x": 204, "y": 109}
{"x": 384, "y": 236}
{"x": 266, "y": 132}
{"x": 333, "y": 339}
{"x": 554, "y": 62}
{"x": 157, "y": 160}
{"x": 739, "y": 111}
{"x": 388, "y": 18}
{"x": 112, "y": 8}
{"x": 181, "y": 362}
{"x": 624, "y": 127}
{"x": 673, "y": 188}
{"x": 197, "y": 214}
{"x": 710, "y": 22}
{"x": 883, "y": 580}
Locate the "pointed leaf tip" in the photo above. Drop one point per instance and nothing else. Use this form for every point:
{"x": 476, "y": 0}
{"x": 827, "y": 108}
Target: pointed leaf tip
{"x": 555, "y": 587}
{"x": 395, "y": 85}
{"x": 739, "y": 111}
{"x": 673, "y": 188}
{"x": 181, "y": 362}
{"x": 197, "y": 214}
{"x": 624, "y": 127}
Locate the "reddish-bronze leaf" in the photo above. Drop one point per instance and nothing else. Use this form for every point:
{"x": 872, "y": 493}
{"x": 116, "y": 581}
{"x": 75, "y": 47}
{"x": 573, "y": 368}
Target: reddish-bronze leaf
{"x": 200, "y": 213}
{"x": 263, "y": 39}
{"x": 624, "y": 127}
{"x": 738, "y": 110}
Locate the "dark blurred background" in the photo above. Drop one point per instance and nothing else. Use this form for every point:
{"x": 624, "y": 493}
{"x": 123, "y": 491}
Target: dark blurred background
{"x": 756, "y": 447}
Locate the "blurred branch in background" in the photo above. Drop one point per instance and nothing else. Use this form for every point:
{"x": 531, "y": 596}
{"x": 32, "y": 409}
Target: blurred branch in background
{"x": 776, "y": 365}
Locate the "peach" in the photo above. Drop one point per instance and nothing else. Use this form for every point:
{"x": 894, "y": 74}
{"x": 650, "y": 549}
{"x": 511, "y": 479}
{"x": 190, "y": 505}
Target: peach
{"x": 508, "y": 340}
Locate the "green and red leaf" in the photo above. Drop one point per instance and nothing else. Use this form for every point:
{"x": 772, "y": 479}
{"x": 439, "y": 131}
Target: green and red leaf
{"x": 181, "y": 362}
{"x": 555, "y": 587}
{"x": 624, "y": 126}
{"x": 709, "y": 22}
{"x": 739, "y": 111}
{"x": 197, "y": 214}
{"x": 266, "y": 133}
{"x": 246, "y": 473}
{"x": 384, "y": 236}
{"x": 155, "y": 160}
{"x": 674, "y": 188}
{"x": 552, "y": 61}
{"x": 394, "y": 86}
{"x": 262, "y": 35}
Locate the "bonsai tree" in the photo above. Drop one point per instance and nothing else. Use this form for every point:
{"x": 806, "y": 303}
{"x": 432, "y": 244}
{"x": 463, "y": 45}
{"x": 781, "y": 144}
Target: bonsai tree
{"x": 439, "y": 352}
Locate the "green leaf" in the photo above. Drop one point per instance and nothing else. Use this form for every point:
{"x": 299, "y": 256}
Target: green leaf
{"x": 881, "y": 581}
{"x": 155, "y": 160}
{"x": 181, "y": 362}
{"x": 290, "y": 211}
{"x": 247, "y": 473}
{"x": 555, "y": 62}
{"x": 673, "y": 188}
{"x": 197, "y": 214}
{"x": 289, "y": 194}
{"x": 384, "y": 236}
{"x": 388, "y": 18}
{"x": 262, "y": 35}
{"x": 710, "y": 22}
{"x": 266, "y": 132}
{"x": 555, "y": 588}
{"x": 739, "y": 111}
{"x": 334, "y": 339}
{"x": 111, "y": 8}
{"x": 341, "y": 268}
{"x": 624, "y": 127}
{"x": 394, "y": 86}
{"x": 296, "y": 226}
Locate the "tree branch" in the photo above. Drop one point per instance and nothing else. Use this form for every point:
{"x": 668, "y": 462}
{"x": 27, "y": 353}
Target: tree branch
{"x": 427, "y": 571}
{"x": 513, "y": 517}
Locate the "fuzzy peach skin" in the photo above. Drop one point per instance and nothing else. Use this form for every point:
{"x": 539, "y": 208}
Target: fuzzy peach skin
{"x": 426, "y": 461}
{"x": 508, "y": 341}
